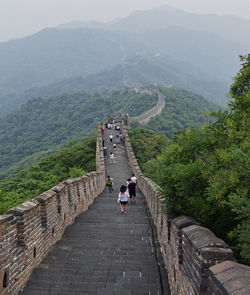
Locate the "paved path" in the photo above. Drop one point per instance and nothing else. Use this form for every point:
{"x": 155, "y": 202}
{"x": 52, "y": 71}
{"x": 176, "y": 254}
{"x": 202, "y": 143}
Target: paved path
{"x": 104, "y": 252}
{"x": 156, "y": 110}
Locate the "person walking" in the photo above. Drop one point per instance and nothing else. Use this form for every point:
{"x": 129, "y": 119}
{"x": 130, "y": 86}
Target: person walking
{"x": 134, "y": 179}
{"x": 110, "y": 184}
{"x": 132, "y": 191}
{"x": 111, "y": 138}
{"x": 123, "y": 198}
{"x": 104, "y": 151}
{"x": 112, "y": 158}
{"x": 102, "y": 129}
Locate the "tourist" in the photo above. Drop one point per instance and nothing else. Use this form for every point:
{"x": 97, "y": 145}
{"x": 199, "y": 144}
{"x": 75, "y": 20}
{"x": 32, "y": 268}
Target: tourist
{"x": 123, "y": 198}
{"x": 134, "y": 179}
{"x": 112, "y": 158}
{"x": 132, "y": 191}
{"x": 105, "y": 151}
{"x": 111, "y": 138}
{"x": 102, "y": 129}
{"x": 109, "y": 184}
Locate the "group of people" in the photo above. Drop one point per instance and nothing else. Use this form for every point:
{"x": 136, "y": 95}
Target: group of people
{"x": 112, "y": 126}
{"x": 127, "y": 192}
{"x": 118, "y": 137}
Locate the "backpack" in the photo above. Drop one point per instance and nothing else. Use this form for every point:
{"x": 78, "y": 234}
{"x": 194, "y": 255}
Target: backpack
{"x": 109, "y": 183}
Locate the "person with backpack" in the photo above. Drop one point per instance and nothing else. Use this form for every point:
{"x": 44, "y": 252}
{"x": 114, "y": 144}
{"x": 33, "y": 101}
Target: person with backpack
{"x": 109, "y": 184}
{"x": 132, "y": 191}
{"x": 123, "y": 198}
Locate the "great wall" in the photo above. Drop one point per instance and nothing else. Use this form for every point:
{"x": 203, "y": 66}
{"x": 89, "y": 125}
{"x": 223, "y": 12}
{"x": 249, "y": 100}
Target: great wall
{"x": 196, "y": 261}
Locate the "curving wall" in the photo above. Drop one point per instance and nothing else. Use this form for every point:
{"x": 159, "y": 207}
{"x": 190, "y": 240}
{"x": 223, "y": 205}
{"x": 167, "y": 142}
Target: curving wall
{"x": 28, "y": 231}
{"x": 197, "y": 262}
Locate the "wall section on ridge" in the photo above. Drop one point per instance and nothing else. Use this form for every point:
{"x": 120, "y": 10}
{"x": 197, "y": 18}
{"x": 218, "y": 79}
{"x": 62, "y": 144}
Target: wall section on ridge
{"x": 198, "y": 263}
{"x": 29, "y": 230}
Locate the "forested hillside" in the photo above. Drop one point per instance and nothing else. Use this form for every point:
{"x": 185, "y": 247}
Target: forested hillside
{"x": 205, "y": 173}
{"x": 183, "y": 109}
{"x": 72, "y": 161}
{"x": 45, "y": 123}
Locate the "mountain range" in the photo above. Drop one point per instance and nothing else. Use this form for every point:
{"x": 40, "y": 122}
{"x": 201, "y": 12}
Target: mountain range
{"x": 164, "y": 45}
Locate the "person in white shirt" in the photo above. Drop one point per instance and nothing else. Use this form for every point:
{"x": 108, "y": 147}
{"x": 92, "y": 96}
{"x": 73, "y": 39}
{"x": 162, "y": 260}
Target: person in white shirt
{"x": 112, "y": 158}
{"x": 123, "y": 198}
{"x": 134, "y": 179}
{"x": 111, "y": 138}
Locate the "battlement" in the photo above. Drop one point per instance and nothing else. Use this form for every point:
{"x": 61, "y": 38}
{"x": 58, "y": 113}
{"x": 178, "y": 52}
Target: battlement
{"x": 197, "y": 262}
{"x": 29, "y": 230}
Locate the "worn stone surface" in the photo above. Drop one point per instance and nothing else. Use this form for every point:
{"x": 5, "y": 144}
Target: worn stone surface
{"x": 189, "y": 249}
{"x": 31, "y": 229}
{"x": 104, "y": 251}
{"x": 230, "y": 276}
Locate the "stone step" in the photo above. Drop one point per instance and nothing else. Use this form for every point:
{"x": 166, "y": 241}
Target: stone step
{"x": 104, "y": 251}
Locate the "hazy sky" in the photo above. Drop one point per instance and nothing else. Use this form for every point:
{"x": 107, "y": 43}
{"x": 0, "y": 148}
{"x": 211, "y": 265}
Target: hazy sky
{"x": 19, "y": 18}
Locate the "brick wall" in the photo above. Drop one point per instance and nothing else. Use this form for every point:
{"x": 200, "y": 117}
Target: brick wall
{"x": 197, "y": 262}
{"x": 28, "y": 231}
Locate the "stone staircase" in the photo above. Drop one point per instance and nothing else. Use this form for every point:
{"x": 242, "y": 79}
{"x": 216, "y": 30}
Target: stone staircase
{"x": 104, "y": 251}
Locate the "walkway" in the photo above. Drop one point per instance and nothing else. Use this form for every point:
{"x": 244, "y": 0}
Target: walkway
{"x": 104, "y": 252}
{"x": 156, "y": 110}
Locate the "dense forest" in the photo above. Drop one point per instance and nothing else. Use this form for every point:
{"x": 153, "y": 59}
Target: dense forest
{"x": 74, "y": 160}
{"x": 183, "y": 109}
{"x": 44, "y": 124}
{"x": 205, "y": 173}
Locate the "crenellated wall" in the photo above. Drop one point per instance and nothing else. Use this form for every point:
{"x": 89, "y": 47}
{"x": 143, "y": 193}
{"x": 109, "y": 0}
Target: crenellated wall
{"x": 28, "y": 231}
{"x": 197, "y": 262}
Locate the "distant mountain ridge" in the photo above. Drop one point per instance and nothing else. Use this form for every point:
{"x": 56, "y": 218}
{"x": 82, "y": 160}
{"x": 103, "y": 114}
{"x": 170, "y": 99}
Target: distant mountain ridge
{"x": 55, "y": 55}
{"x": 139, "y": 70}
{"x": 229, "y": 27}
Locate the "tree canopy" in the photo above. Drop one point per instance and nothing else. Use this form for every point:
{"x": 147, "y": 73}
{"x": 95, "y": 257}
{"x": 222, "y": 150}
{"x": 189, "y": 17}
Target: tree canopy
{"x": 205, "y": 173}
{"x": 74, "y": 160}
{"x": 47, "y": 123}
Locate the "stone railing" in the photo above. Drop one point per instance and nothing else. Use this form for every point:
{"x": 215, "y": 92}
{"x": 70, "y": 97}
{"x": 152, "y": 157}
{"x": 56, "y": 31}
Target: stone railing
{"x": 197, "y": 262}
{"x": 28, "y": 231}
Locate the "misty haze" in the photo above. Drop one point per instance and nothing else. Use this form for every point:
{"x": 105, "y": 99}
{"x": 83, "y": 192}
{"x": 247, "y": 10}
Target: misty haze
{"x": 124, "y": 147}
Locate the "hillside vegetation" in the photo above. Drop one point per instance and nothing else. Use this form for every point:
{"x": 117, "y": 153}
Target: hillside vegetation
{"x": 72, "y": 161}
{"x": 46, "y": 123}
{"x": 183, "y": 109}
{"x": 205, "y": 173}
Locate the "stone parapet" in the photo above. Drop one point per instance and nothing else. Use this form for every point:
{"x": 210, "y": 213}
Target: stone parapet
{"x": 198, "y": 263}
{"x": 29, "y": 230}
